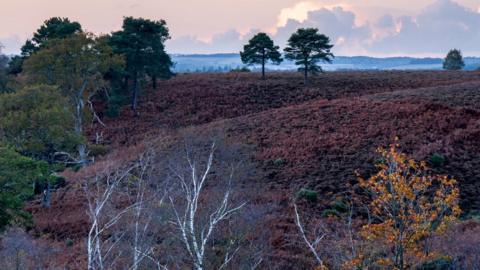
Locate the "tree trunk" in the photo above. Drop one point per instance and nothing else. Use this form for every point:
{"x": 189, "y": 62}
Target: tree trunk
{"x": 305, "y": 78}
{"x": 125, "y": 83}
{"x": 154, "y": 82}
{"x": 79, "y": 105}
{"x": 263, "y": 65}
{"x": 46, "y": 195}
{"x": 135, "y": 93}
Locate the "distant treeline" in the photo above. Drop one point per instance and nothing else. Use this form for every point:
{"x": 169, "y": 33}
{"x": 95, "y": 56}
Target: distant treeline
{"x": 227, "y": 61}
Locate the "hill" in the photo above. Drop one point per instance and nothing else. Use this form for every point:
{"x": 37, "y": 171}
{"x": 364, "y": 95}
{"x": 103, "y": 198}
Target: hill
{"x": 312, "y": 137}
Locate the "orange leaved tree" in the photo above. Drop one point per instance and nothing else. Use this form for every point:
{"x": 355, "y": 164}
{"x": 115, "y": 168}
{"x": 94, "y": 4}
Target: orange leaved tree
{"x": 407, "y": 207}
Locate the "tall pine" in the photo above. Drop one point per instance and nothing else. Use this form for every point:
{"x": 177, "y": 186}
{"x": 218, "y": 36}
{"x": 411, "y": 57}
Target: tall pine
{"x": 260, "y": 50}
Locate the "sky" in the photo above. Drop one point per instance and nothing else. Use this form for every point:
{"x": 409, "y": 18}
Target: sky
{"x": 419, "y": 28}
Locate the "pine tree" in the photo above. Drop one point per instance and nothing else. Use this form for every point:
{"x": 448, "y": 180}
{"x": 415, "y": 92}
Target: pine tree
{"x": 454, "y": 60}
{"x": 259, "y": 50}
{"x": 142, "y": 42}
{"x": 307, "y": 47}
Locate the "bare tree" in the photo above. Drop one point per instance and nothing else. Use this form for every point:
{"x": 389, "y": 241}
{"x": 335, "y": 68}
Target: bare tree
{"x": 196, "y": 224}
{"x": 99, "y": 193}
{"x": 318, "y": 236}
{"x": 146, "y": 192}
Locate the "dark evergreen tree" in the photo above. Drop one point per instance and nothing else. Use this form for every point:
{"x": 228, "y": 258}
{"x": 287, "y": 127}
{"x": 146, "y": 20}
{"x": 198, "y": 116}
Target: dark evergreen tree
{"x": 53, "y": 28}
{"x": 454, "y": 60}
{"x": 259, "y": 50}
{"x": 142, "y": 42}
{"x": 3, "y": 72}
{"x": 307, "y": 47}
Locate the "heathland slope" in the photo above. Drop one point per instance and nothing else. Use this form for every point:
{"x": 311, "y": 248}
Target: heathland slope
{"x": 312, "y": 137}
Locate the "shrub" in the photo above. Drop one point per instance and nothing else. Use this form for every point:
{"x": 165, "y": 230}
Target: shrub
{"x": 240, "y": 69}
{"x": 437, "y": 160}
{"x": 443, "y": 263}
{"x": 340, "y": 206}
{"x": 279, "y": 162}
{"x": 69, "y": 242}
{"x": 330, "y": 213}
{"x": 308, "y": 194}
{"x": 98, "y": 150}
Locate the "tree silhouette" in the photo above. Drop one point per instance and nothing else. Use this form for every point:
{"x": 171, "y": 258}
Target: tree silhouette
{"x": 307, "y": 47}
{"x": 259, "y": 50}
{"x": 454, "y": 60}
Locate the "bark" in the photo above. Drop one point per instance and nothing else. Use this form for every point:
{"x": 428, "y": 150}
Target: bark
{"x": 154, "y": 82}
{"x": 305, "y": 79}
{"x": 263, "y": 65}
{"x": 79, "y": 106}
{"x": 135, "y": 92}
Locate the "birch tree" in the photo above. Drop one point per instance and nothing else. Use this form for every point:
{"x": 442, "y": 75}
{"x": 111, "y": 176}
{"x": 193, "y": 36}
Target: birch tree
{"x": 147, "y": 193}
{"x": 100, "y": 192}
{"x": 195, "y": 222}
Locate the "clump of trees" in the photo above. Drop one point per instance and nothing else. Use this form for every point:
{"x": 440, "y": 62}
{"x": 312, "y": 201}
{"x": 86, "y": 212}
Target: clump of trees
{"x": 142, "y": 43}
{"x": 76, "y": 65}
{"x": 260, "y": 50}
{"x": 47, "y": 94}
{"x": 454, "y": 60}
{"x": 306, "y": 47}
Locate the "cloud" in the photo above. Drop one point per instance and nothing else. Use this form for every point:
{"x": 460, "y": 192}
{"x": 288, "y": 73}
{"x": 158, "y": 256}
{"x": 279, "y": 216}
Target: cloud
{"x": 386, "y": 21}
{"x": 439, "y": 27}
{"x": 226, "y": 42}
{"x": 337, "y": 23}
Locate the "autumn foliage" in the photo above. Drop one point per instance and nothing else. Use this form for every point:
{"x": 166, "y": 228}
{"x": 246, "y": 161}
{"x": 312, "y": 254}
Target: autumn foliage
{"x": 408, "y": 206}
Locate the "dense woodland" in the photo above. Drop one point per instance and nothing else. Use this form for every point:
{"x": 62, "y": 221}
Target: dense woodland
{"x": 109, "y": 160}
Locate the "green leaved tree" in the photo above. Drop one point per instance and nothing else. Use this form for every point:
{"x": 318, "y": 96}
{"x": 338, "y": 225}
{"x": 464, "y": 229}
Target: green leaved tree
{"x": 17, "y": 177}
{"x": 142, "y": 42}
{"x": 307, "y": 47}
{"x": 76, "y": 65}
{"x": 38, "y": 122}
{"x": 259, "y": 50}
{"x": 454, "y": 60}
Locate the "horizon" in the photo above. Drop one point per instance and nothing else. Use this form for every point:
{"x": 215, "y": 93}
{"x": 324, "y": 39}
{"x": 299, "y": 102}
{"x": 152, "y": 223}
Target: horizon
{"x": 426, "y": 28}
